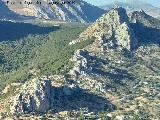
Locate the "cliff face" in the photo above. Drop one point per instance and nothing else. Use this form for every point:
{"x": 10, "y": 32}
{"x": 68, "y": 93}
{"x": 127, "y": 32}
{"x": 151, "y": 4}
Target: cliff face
{"x": 79, "y": 11}
{"x": 34, "y": 96}
{"x": 114, "y": 28}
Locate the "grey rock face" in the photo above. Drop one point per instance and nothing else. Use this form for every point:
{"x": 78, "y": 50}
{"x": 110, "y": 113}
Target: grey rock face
{"x": 34, "y": 96}
{"x": 114, "y": 27}
{"x": 80, "y": 60}
{"x": 40, "y": 95}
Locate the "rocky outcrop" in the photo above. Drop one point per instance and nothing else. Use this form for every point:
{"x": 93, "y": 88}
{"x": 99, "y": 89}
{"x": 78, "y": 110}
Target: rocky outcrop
{"x": 34, "y": 96}
{"x": 114, "y": 28}
{"x": 41, "y": 94}
{"x": 80, "y": 63}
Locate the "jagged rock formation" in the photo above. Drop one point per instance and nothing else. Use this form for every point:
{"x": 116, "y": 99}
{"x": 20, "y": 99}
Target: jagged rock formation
{"x": 109, "y": 66}
{"x": 113, "y": 28}
{"x": 106, "y": 69}
{"x": 79, "y": 11}
{"x": 39, "y": 95}
{"x": 145, "y": 27}
{"x": 116, "y": 29}
{"x": 34, "y": 96}
{"x": 81, "y": 62}
{"x": 42, "y": 95}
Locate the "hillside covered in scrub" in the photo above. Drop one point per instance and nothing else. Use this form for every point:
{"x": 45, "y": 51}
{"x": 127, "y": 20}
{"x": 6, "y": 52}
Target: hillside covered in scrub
{"x": 107, "y": 70}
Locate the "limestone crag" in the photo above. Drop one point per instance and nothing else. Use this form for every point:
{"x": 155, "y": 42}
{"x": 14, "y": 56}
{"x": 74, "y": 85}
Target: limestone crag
{"x": 114, "y": 27}
{"x": 40, "y": 95}
{"x": 34, "y": 96}
{"x": 81, "y": 60}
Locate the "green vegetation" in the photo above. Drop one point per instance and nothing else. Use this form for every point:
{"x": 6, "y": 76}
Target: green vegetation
{"x": 45, "y": 54}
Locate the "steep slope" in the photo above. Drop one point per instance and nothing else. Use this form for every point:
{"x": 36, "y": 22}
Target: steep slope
{"x": 116, "y": 29}
{"x": 148, "y": 27}
{"x": 114, "y": 77}
{"x": 113, "y": 27}
{"x": 145, "y": 19}
{"x": 134, "y": 5}
{"x": 126, "y": 77}
{"x": 75, "y": 11}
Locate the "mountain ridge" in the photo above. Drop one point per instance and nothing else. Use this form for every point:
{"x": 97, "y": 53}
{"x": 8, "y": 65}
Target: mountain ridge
{"x": 135, "y": 5}
{"x": 117, "y": 23}
{"x": 112, "y": 74}
{"x": 118, "y": 26}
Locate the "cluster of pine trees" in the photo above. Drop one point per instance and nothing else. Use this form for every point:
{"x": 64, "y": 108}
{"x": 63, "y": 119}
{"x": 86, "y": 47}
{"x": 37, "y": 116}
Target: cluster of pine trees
{"x": 46, "y": 54}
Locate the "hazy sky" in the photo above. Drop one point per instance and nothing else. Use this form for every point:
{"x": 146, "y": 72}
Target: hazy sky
{"x": 103, "y": 2}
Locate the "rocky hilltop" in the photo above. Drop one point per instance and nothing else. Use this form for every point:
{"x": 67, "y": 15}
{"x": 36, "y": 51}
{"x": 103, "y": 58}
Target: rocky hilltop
{"x": 35, "y": 95}
{"x": 53, "y": 95}
{"x": 72, "y": 11}
{"x": 114, "y": 29}
{"x": 117, "y": 29}
{"x": 120, "y": 64}
{"x": 117, "y": 76}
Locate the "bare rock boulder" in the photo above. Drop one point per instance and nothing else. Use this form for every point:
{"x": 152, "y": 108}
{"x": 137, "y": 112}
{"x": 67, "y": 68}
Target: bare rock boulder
{"x": 33, "y": 96}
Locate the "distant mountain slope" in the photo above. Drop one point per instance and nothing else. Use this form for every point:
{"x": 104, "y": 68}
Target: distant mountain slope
{"x": 145, "y": 19}
{"x": 134, "y": 5}
{"x": 145, "y": 27}
{"x": 79, "y": 11}
{"x": 6, "y": 13}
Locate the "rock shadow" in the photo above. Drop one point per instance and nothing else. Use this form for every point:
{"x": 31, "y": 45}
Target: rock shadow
{"x": 11, "y": 31}
{"x": 67, "y": 99}
{"x": 118, "y": 74}
{"x": 146, "y": 35}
